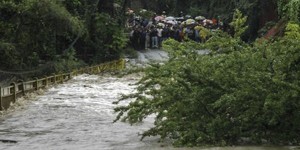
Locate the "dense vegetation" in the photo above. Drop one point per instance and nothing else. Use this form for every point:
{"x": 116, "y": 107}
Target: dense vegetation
{"x": 239, "y": 93}
{"x": 57, "y": 34}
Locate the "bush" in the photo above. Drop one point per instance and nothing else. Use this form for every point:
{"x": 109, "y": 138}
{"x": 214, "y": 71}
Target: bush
{"x": 67, "y": 62}
{"x": 250, "y": 92}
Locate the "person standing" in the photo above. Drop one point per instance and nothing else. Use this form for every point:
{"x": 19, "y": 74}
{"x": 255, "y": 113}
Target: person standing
{"x": 154, "y": 38}
{"x": 163, "y": 14}
{"x": 159, "y": 35}
{"x": 143, "y": 39}
{"x": 165, "y": 33}
{"x": 153, "y": 19}
{"x": 136, "y": 38}
{"x": 147, "y": 42}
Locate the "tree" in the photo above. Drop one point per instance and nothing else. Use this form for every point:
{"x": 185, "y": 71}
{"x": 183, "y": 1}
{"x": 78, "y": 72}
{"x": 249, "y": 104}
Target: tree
{"x": 103, "y": 38}
{"x": 289, "y": 9}
{"x": 35, "y": 28}
{"x": 37, "y": 32}
{"x": 238, "y": 91}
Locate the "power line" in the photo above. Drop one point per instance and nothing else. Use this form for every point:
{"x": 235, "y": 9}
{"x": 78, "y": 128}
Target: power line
{"x": 21, "y": 72}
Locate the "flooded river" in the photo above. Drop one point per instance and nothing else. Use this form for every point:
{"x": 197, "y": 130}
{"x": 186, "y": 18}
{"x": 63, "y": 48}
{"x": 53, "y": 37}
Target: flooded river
{"x": 75, "y": 115}
{"x": 79, "y": 115}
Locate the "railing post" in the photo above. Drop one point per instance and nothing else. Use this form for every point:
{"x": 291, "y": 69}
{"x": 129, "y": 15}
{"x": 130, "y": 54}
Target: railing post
{"x": 46, "y": 81}
{"x": 69, "y": 76}
{"x": 54, "y": 76}
{"x": 1, "y": 106}
{"x": 60, "y": 79}
{"x": 51, "y": 80}
{"x": 22, "y": 87}
{"x": 63, "y": 77}
{"x": 123, "y": 63}
{"x": 74, "y": 73}
{"x": 36, "y": 84}
{"x": 14, "y": 91}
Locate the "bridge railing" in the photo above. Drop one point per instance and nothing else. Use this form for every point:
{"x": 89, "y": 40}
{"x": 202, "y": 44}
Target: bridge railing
{"x": 9, "y": 94}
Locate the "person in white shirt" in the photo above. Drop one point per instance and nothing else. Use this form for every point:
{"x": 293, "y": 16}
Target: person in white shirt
{"x": 159, "y": 35}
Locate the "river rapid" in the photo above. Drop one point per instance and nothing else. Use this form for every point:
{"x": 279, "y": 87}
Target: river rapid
{"x": 79, "y": 115}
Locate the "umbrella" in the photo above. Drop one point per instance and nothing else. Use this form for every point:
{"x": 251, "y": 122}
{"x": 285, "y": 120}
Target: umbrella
{"x": 171, "y": 22}
{"x": 190, "y": 21}
{"x": 129, "y": 11}
{"x": 199, "y": 18}
{"x": 187, "y": 16}
{"x": 179, "y": 19}
{"x": 198, "y": 27}
{"x": 208, "y": 21}
{"x": 183, "y": 23}
{"x": 161, "y": 25}
{"x": 170, "y": 18}
{"x": 143, "y": 10}
{"x": 158, "y": 18}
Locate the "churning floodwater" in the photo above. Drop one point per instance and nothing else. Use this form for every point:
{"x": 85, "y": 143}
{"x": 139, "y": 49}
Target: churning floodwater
{"x": 74, "y": 115}
{"x": 79, "y": 115}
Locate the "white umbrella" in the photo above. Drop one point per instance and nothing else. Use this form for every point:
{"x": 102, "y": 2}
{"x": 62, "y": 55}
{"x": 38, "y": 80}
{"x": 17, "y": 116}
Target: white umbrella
{"x": 199, "y": 18}
{"x": 170, "y": 18}
{"x": 208, "y": 21}
{"x": 171, "y": 22}
{"x": 143, "y": 10}
{"x": 161, "y": 25}
{"x": 179, "y": 19}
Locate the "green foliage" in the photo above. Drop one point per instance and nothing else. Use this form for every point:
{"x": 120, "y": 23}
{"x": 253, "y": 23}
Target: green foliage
{"x": 67, "y": 62}
{"x": 107, "y": 39}
{"x": 248, "y": 91}
{"x": 195, "y": 11}
{"x": 289, "y": 9}
{"x": 203, "y": 32}
{"x": 8, "y": 56}
{"x": 145, "y": 13}
{"x": 75, "y": 7}
{"x": 39, "y": 32}
{"x": 266, "y": 28}
{"x": 221, "y": 42}
{"x": 37, "y": 28}
{"x": 238, "y": 23}
{"x": 293, "y": 31}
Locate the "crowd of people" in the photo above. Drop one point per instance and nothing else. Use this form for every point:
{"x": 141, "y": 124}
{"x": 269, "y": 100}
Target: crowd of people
{"x": 150, "y": 33}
